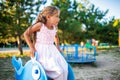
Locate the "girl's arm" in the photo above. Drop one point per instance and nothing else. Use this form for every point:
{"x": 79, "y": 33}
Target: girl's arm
{"x": 57, "y": 42}
{"x": 27, "y": 34}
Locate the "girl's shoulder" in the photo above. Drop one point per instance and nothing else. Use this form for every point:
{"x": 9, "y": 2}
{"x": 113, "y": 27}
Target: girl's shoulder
{"x": 36, "y": 26}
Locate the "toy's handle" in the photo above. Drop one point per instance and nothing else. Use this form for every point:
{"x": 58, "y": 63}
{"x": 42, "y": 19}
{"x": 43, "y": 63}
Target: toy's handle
{"x": 35, "y": 57}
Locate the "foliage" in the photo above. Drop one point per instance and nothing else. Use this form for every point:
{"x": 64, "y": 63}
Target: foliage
{"x": 82, "y": 21}
{"x": 16, "y": 17}
{"x": 78, "y": 21}
{"x": 68, "y": 21}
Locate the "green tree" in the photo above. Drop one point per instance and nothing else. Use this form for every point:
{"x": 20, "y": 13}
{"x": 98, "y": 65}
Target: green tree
{"x": 109, "y": 33}
{"x": 16, "y": 17}
{"x": 69, "y": 25}
{"x": 91, "y": 17}
{"x": 79, "y": 21}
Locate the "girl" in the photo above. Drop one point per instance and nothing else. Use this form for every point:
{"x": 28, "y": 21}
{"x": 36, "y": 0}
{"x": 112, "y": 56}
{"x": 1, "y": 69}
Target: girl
{"x": 45, "y": 34}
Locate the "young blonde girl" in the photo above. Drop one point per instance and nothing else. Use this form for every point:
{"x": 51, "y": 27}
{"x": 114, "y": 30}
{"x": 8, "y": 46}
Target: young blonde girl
{"x": 45, "y": 34}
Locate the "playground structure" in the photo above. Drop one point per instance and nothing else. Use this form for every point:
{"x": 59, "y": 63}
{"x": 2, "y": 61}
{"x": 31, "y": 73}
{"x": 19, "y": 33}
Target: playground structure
{"x": 79, "y": 54}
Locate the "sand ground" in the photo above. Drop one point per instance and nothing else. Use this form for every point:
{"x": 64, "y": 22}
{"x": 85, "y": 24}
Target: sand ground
{"x": 106, "y": 67}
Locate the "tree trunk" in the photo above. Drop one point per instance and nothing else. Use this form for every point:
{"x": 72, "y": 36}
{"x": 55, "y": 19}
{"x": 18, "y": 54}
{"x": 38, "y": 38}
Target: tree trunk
{"x": 19, "y": 41}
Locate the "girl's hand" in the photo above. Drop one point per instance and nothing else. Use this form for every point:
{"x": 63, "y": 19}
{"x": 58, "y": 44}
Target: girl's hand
{"x": 61, "y": 51}
{"x": 32, "y": 51}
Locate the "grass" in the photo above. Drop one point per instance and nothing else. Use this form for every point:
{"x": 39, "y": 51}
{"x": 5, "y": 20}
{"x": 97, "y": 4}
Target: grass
{"x": 107, "y": 47}
{"x": 10, "y": 54}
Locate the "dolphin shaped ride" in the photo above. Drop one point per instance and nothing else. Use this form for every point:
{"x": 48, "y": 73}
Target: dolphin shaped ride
{"x": 33, "y": 70}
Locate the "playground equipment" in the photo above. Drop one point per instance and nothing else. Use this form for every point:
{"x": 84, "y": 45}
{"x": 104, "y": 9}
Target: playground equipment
{"x": 33, "y": 70}
{"x": 79, "y": 54}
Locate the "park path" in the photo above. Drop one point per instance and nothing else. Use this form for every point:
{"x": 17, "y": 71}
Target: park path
{"x": 6, "y": 50}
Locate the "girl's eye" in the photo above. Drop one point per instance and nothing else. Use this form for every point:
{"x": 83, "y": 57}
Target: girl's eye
{"x": 35, "y": 72}
{"x": 57, "y": 16}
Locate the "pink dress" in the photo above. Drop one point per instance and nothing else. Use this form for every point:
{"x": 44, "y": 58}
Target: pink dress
{"x": 49, "y": 57}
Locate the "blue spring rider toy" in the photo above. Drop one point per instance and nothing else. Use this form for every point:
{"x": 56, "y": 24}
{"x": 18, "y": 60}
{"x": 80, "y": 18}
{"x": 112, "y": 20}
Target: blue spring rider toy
{"x": 33, "y": 70}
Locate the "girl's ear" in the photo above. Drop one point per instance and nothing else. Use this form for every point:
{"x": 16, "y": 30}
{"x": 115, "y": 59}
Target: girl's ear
{"x": 47, "y": 17}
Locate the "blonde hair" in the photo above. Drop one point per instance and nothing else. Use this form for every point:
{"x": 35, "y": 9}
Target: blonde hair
{"x": 49, "y": 10}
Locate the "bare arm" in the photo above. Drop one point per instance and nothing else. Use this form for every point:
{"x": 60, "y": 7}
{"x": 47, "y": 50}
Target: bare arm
{"x": 57, "y": 42}
{"x": 27, "y": 35}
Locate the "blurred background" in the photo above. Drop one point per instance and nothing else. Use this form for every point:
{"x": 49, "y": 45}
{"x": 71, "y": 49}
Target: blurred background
{"x": 93, "y": 23}
{"x": 81, "y": 20}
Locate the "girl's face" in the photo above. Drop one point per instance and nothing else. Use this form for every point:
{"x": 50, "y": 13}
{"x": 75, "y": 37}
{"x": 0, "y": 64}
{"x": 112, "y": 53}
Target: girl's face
{"x": 54, "y": 20}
